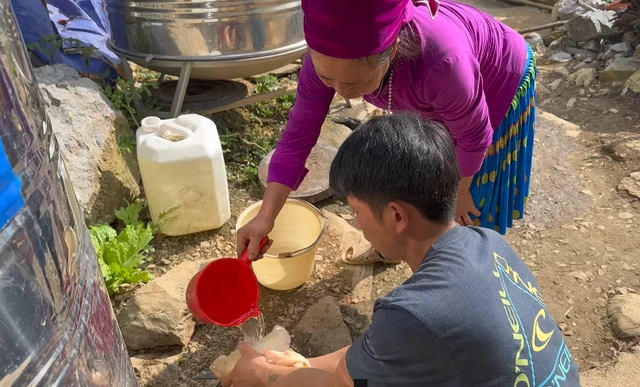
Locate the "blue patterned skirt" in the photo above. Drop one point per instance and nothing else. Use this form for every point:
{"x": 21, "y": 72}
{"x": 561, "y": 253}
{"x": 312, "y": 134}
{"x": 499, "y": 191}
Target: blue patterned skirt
{"x": 501, "y": 188}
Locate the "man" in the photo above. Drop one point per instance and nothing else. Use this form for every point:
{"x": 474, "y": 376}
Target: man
{"x": 471, "y": 314}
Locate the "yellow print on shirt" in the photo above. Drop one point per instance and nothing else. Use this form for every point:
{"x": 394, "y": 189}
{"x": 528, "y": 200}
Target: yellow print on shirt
{"x": 515, "y": 277}
{"x": 540, "y": 338}
{"x": 522, "y": 363}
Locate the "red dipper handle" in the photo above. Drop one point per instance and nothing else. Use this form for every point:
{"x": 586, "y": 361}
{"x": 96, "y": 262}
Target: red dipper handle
{"x": 245, "y": 255}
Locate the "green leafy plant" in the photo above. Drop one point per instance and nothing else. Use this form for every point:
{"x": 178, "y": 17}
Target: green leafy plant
{"x": 127, "y": 144}
{"x": 121, "y": 255}
{"x": 48, "y": 44}
{"x": 123, "y": 96}
{"x": 268, "y": 109}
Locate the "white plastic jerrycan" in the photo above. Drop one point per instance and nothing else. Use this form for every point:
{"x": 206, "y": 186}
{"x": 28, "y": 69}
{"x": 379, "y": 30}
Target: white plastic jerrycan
{"x": 183, "y": 170}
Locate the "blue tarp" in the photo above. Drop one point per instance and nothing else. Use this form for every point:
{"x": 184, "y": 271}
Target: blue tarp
{"x": 76, "y": 22}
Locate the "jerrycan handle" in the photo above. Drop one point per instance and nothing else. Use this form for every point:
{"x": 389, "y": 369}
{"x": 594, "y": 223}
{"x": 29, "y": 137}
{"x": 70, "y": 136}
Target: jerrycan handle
{"x": 175, "y": 128}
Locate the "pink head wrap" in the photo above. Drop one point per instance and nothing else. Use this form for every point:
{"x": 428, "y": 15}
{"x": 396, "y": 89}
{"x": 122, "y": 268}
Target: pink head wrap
{"x": 351, "y": 29}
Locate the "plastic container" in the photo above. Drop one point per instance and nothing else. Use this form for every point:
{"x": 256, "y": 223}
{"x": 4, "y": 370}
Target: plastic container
{"x": 183, "y": 170}
{"x": 296, "y": 234}
{"x": 57, "y": 327}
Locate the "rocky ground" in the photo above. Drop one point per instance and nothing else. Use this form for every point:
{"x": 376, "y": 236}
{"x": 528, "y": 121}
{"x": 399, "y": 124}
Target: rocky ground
{"x": 579, "y": 235}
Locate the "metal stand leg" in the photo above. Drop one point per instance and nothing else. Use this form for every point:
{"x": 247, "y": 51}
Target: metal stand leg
{"x": 181, "y": 89}
{"x": 348, "y": 103}
{"x": 132, "y": 85}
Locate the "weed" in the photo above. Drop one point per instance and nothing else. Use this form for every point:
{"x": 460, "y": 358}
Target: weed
{"x": 123, "y": 97}
{"x": 270, "y": 109}
{"x": 127, "y": 144}
{"x": 246, "y": 143}
{"x": 122, "y": 254}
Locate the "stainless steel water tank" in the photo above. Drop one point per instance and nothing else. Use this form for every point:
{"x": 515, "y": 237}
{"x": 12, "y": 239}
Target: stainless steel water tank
{"x": 225, "y": 38}
{"x": 57, "y": 327}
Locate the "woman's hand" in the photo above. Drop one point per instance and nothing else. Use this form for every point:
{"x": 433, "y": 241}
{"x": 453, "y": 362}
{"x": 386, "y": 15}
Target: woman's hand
{"x": 250, "y": 235}
{"x": 465, "y": 206}
{"x": 251, "y": 370}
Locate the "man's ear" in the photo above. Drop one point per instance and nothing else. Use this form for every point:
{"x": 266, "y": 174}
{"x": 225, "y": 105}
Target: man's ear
{"x": 400, "y": 217}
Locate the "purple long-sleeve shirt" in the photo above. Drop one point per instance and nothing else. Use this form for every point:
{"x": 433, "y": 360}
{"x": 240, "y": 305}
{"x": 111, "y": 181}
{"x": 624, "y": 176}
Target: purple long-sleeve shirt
{"x": 466, "y": 78}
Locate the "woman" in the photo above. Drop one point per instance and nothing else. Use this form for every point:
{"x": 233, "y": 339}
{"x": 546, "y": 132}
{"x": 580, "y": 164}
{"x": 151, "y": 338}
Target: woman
{"x": 446, "y": 60}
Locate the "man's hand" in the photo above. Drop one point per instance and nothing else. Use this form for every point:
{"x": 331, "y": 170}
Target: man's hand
{"x": 465, "y": 206}
{"x": 251, "y": 370}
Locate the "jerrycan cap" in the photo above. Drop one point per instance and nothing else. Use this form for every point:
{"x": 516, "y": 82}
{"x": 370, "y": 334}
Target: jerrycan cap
{"x": 151, "y": 124}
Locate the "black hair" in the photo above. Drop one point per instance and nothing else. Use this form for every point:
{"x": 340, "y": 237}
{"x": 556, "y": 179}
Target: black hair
{"x": 399, "y": 157}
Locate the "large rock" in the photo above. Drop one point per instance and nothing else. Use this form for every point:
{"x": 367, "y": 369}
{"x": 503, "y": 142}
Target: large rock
{"x": 157, "y": 315}
{"x": 89, "y": 131}
{"x": 633, "y": 82}
{"x": 584, "y": 77}
{"x": 622, "y": 49}
{"x": 619, "y": 70}
{"x": 631, "y": 184}
{"x": 590, "y": 25}
{"x": 535, "y": 41}
{"x": 624, "y": 313}
{"x": 157, "y": 369}
{"x": 323, "y": 329}
{"x": 622, "y": 146}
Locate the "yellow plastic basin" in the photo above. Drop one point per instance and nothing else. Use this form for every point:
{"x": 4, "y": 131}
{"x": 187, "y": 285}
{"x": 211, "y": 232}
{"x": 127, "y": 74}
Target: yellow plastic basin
{"x": 296, "y": 234}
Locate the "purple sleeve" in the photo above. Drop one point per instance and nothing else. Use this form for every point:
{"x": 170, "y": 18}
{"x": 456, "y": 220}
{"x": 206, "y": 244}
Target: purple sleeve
{"x": 312, "y": 105}
{"x": 454, "y": 89}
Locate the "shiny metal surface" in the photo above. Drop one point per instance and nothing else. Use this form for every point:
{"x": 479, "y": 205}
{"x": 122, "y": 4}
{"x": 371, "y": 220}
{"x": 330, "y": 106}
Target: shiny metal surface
{"x": 224, "y": 38}
{"x": 57, "y": 327}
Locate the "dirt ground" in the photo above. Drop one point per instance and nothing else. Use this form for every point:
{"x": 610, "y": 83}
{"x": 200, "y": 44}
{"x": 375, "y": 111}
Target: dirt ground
{"x": 574, "y": 237}
{"x": 579, "y": 235}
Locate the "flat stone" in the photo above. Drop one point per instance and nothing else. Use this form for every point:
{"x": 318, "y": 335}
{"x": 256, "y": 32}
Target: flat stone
{"x": 625, "y": 48}
{"x": 322, "y": 328}
{"x": 333, "y": 134}
{"x": 157, "y": 369}
{"x": 619, "y": 70}
{"x": 583, "y": 77}
{"x": 631, "y": 184}
{"x": 352, "y": 113}
{"x": 561, "y": 57}
{"x": 315, "y": 186}
{"x": 361, "y": 283}
{"x": 89, "y": 130}
{"x": 622, "y": 146}
{"x": 624, "y": 313}
{"x": 535, "y": 41}
{"x": 590, "y": 25}
{"x": 157, "y": 315}
{"x": 633, "y": 82}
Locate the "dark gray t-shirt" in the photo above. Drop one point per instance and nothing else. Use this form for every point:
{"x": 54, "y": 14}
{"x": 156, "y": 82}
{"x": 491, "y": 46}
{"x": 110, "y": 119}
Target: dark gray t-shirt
{"x": 472, "y": 315}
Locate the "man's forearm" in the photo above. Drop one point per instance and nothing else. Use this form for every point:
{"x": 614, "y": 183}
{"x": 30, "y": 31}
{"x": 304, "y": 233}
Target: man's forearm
{"x": 280, "y": 376}
{"x": 320, "y": 374}
{"x": 330, "y": 361}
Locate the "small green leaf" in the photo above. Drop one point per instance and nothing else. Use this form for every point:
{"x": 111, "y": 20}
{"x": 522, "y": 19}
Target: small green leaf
{"x": 130, "y": 215}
